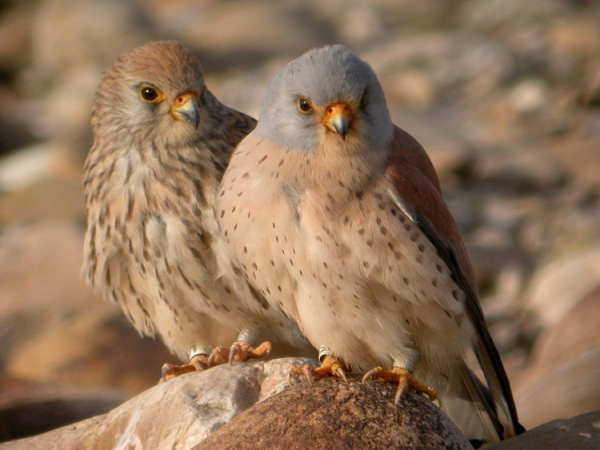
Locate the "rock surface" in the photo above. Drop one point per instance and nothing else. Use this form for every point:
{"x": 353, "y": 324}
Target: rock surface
{"x": 185, "y": 411}
{"x": 333, "y": 414}
{"x": 581, "y": 432}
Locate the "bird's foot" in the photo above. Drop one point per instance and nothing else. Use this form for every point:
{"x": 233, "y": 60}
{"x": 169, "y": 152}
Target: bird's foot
{"x": 197, "y": 363}
{"x": 243, "y": 351}
{"x": 238, "y": 352}
{"x": 330, "y": 366}
{"x": 404, "y": 378}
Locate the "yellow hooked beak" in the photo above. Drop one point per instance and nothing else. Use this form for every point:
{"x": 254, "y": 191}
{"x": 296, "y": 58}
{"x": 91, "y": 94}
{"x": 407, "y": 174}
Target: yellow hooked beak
{"x": 185, "y": 108}
{"x": 338, "y": 118}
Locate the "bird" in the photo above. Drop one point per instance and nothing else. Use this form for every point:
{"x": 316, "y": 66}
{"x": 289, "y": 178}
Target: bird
{"x": 161, "y": 142}
{"x": 337, "y": 217}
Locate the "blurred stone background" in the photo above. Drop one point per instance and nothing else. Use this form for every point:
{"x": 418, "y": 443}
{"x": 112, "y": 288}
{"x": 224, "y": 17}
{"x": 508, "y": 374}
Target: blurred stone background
{"x": 503, "y": 94}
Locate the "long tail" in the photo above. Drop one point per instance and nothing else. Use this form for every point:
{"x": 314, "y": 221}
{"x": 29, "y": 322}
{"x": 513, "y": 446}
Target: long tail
{"x": 469, "y": 406}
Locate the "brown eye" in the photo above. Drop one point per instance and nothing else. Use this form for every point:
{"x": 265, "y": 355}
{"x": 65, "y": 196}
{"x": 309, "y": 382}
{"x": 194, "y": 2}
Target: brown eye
{"x": 149, "y": 94}
{"x": 304, "y": 106}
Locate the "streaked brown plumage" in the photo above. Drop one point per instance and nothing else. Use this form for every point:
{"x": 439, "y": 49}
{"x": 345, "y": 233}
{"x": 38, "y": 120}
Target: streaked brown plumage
{"x": 338, "y": 218}
{"x": 161, "y": 144}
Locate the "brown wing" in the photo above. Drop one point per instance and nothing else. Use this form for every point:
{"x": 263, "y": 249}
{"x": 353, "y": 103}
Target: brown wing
{"x": 417, "y": 186}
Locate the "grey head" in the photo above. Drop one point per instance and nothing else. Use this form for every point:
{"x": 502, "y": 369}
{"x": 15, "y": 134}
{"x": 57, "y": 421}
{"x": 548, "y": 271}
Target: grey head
{"x": 327, "y": 93}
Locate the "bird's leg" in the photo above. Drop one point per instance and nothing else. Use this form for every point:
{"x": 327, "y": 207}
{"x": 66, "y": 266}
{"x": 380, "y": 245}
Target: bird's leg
{"x": 404, "y": 378}
{"x": 330, "y": 366}
{"x": 197, "y": 363}
{"x": 241, "y": 350}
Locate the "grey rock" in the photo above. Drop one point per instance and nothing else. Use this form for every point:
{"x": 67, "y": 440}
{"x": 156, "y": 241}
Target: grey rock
{"x": 581, "y": 432}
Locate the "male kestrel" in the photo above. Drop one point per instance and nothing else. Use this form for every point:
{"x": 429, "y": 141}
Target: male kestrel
{"x": 337, "y": 217}
{"x": 161, "y": 144}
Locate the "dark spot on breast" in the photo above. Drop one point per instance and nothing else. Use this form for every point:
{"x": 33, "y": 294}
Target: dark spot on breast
{"x": 406, "y": 281}
{"x": 458, "y": 319}
{"x": 434, "y": 282}
{"x": 366, "y": 264}
{"x": 383, "y": 230}
{"x": 421, "y": 247}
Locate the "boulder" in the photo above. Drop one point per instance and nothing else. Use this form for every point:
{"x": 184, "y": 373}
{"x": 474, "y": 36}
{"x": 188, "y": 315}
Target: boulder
{"x": 189, "y": 409}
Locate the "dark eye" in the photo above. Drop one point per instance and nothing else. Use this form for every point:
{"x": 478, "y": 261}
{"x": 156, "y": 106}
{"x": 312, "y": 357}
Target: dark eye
{"x": 149, "y": 94}
{"x": 304, "y": 106}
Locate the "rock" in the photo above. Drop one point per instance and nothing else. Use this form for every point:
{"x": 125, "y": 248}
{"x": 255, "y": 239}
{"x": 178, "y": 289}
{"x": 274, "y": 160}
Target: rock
{"x": 576, "y": 35}
{"x": 332, "y": 414}
{"x": 68, "y": 34}
{"x": 576, "y": 332}
{"x": 529, "y": 97}
{"x": 508, "y": 13}
{"x": 522, "y": 169}
{"x": 449, "y": 60}
{"x": 40, "y": 269}
{"x": 237, "y": 32}
{"x": 559, "y": 285}
{"x": 563, "y": 389}
{"x": 175, "y": 414}
{"x": 581, "y": 159}
{"x": 36, "y": 202}
{"x": 53, "y": 327}
{"x": 187, "y": 409}
{"x": 93, "y": 348}
{"x": 581, "y": 432}
{"x": 28, "y": 407}
{"x": 565, "y": 363}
